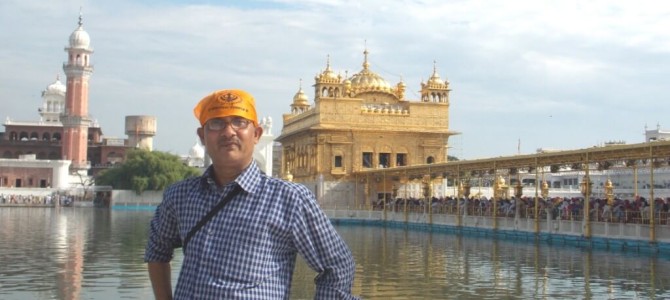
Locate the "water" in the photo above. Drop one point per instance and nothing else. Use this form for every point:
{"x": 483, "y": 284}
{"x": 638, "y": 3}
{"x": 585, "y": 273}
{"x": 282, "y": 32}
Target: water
{"x": 84, "y": 253}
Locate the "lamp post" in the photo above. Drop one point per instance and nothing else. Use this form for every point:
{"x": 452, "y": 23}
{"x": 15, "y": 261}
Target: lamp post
{"x": 466, "y": 193}
{"x": 394, "y": 196}
{"x": 586, "y": 187}
{"x": 427, "y": 196}
{"x": 499, "y": 192}
{"x": 459, "y": 196}
{"x": 609, "y": 192}
{"x": 545, "y": 189}
{"x": 518, "y": 190}
{"x": 466, "y": 189}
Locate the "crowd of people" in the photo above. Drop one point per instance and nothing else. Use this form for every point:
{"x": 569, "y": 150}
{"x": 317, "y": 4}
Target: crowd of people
{"x": 636, "y": 210}
{"x": 46, "y": 200}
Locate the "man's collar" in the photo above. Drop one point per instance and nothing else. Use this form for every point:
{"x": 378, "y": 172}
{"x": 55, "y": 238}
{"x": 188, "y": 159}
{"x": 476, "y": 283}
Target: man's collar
{"x": 247, "y": 179}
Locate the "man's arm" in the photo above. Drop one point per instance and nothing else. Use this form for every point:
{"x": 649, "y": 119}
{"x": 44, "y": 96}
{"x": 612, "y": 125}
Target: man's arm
{"x": 323, "y": 250}
{"x": 163, "y": 238}
{"x": 160, "y": 276}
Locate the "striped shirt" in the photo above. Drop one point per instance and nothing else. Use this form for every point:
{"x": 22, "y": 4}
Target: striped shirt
{"x": 248, "y": 250}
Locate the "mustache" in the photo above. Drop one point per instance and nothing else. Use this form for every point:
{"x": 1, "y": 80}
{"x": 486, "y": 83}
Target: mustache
{"x": 223, "y": 141}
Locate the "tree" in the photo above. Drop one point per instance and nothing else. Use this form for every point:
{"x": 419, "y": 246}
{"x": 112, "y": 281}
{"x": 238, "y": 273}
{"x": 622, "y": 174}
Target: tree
{"x": 146, "y": 170}
{"x": 86, "y": 183}
{"x": 452, "y": 158}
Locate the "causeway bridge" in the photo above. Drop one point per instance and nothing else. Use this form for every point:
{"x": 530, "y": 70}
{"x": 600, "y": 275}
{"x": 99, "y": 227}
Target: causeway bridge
{"x": 650, "y": 228}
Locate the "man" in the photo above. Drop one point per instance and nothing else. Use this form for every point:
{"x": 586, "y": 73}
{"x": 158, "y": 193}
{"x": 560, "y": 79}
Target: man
{"x": 247, "y": 250}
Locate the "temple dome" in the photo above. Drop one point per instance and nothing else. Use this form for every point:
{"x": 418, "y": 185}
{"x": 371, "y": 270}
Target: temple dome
{"x": 366, "y": 80}
{"x": 369, "y": 79}
{"x": 435, "y": 81}
{"x": 197, "y": 151}
{"x": 300, "y": 98}
{"x": 328, "y": 76}
{"x": 56, "y": 88}
{"x": 80, "y": 38}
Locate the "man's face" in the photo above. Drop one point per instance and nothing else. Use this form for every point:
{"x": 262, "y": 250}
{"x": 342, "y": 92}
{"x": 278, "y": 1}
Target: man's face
{"x": 230, "y": 141}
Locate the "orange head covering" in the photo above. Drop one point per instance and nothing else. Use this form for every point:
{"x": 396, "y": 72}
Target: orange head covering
{"x": 225, "y": 103}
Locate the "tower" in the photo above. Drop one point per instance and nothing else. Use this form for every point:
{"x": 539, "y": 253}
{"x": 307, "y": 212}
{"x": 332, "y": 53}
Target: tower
{"x": 435, "y": 90}
{"x": 75, "y": 117}
{"x": 300, "y": 101}
{"x": 327, "y": 84}
{"x": 141, "y": 131}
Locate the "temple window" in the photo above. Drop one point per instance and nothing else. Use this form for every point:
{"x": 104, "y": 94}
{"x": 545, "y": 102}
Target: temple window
{"x": 367, "y": 159}
{"x": 401, "y": 159}
{"x": 337, "y": 163}
{"x": 384, "y": 160}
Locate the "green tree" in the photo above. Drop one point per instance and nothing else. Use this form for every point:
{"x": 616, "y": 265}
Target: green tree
{"x": 146, "y": 170}
{"x": 452, "y": 158}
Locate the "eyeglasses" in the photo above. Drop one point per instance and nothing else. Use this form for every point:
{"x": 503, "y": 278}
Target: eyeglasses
{"x": 220, "y": 124}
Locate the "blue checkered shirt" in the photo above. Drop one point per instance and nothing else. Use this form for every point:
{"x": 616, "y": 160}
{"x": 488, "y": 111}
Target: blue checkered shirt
{"x": 248, "y": 250}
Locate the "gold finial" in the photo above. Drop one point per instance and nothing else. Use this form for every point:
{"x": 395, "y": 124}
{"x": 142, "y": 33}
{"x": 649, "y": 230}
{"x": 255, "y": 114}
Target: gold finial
{"x": 366, "y": 64}
{"x": 328, "y": 62}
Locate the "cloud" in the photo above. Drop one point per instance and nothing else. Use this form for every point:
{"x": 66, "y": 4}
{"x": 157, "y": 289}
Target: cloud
{"x": 598, "y": 67}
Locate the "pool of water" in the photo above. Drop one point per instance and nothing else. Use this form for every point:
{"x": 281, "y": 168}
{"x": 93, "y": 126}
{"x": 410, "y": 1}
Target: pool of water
{"x": 86, "y": 253}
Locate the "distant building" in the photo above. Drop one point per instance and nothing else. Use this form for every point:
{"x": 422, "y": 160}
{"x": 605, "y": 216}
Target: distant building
{"x": 196, "y": 156}
{"x": 359, "y": 123}
{"x": 656, "y": 134}
{"x": 65, "y": 133}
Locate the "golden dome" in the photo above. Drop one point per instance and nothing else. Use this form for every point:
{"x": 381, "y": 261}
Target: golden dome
{"x": 328, "y": 76}
{"x": 300, "y": 101}
{"x": 366, "y": 80}
{"x": 401, "y": 83}
{"x": 300, "y": 97}
{"x": 435, "y": 81}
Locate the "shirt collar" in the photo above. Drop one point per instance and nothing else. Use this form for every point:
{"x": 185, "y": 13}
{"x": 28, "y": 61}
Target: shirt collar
{"x": 248, "y": 179}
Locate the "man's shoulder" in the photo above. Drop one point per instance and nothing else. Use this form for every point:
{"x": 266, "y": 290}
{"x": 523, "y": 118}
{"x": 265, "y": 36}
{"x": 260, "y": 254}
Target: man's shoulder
{"x": 183, "y": 185}
{"x": 277, "y": 184}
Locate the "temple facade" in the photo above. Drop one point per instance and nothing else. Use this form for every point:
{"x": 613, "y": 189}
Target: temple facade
{"x": 361, "y": 122}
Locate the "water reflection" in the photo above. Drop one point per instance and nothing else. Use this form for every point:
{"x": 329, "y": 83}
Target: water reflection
{"x": 399, "y": 264}
{"x": 73, "y": 253}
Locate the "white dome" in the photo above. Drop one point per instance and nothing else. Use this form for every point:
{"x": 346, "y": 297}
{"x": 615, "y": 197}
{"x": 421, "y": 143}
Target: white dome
{"x": 197, "y": 151}
{"x": 56, "y": 88}
{"x": 80, "y": 39}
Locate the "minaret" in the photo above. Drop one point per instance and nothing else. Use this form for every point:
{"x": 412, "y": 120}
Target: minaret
{"x": 327, "y": 84}
{"x": 436, "y": 90}
{"x": 300, "y": 102}
{"x": 75, "y": 118}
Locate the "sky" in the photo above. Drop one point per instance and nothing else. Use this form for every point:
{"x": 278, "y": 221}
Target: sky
{"x": 524, "y": 75}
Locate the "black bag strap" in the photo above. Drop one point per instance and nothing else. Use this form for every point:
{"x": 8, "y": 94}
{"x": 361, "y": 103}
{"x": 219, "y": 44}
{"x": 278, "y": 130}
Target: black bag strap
{"x": 210, "y": 215}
